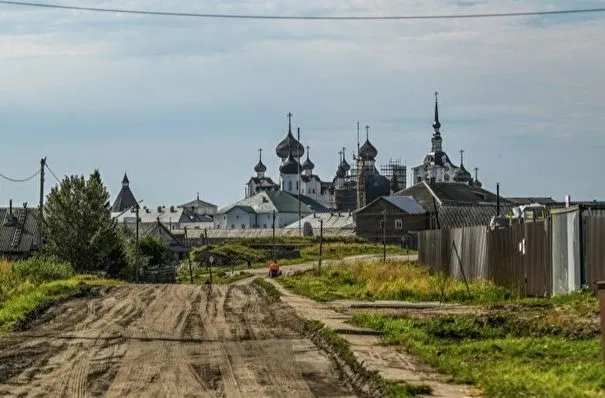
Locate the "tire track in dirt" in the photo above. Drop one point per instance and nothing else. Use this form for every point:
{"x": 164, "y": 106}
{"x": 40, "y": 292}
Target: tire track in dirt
{"x": 167, "y": 340}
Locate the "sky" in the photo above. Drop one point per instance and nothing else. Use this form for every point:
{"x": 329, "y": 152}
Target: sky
{"x": 183, "y": 104}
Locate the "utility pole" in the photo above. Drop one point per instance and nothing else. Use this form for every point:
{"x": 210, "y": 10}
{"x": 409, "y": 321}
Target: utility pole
{"x": 298, "y": 149}
{"x": 384, "y": 236}
{"x": 41, "y": 215}
{"x": 273, "y": 248}
{"x": 136, "y": 252}
{"x": 189, "y": 257}
{"x": 321, "y": 242}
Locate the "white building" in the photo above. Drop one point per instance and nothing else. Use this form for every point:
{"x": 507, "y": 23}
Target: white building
{"x": 265, "y": 208}
{"x": 437, "y": 165}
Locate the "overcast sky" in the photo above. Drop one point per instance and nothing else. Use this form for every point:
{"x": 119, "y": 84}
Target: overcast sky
{"x": 183, "y": 104}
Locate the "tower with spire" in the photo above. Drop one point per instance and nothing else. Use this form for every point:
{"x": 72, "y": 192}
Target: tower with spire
{"x": 125, "y": 199}
{"x": 437, "y": 166}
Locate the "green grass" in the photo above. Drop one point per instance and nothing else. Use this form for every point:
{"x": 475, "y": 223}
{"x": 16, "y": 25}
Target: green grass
{"x": 271, "y": 290}
{"x": 28, "y": 296}
{"x": 533, "y": 351}
{"x": 393, "y": 280}
{"x": 341, "y": 347}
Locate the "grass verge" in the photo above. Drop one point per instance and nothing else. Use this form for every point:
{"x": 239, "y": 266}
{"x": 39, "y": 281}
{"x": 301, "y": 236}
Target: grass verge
{"x": 530, "y": 350}
{"x": 365, "y": 382}
{"x": 331, "y": 342}
{"x": 393, "y": 280}
{"x": 271, "y": 290}
{"x": 31, "y": 297}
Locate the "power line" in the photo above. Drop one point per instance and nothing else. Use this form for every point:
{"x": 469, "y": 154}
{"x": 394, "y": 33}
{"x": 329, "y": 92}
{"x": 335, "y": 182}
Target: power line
{"x": 20, "y": 180}
{"x": 53, "y": 173}
{"x": 292, "y": 17}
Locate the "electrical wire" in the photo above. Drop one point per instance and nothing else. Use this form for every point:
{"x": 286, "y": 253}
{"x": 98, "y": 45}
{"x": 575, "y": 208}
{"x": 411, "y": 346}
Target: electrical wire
{"x": 20, "y": 180}
{"x": 292, "y": 17}
{"x": 53, "y": 174}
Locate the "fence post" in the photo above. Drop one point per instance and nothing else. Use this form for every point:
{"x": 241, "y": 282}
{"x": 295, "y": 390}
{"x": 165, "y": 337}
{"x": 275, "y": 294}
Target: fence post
{"x": 601, "y": 292}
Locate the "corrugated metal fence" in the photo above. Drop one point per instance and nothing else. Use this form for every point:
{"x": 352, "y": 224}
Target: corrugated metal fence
{"x": 535, "y": 259}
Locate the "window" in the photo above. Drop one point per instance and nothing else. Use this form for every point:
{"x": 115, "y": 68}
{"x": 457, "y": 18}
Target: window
{"x": 418, "y": 179}
{"x": 446, "y": 177}
{"x": 243, "y": 226}
{"x": 381, "y": 224}
{"x": 399, "y": 224}
{"x": 289, "y": 185}
{"x": 232, "y": 226}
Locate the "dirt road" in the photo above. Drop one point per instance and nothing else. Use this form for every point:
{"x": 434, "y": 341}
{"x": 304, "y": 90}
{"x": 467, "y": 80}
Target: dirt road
{"x": 167, "y": 341}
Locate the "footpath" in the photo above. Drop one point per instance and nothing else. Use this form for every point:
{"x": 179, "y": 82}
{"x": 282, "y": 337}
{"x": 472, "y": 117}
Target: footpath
{"x": 390, "y": 362}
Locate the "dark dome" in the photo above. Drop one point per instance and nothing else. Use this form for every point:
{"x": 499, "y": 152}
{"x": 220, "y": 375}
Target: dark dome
{"x": 367, "y": 150}
{"x": 340, "y": 172}
{"x": 289, "y": 166}
{"x": 260, "y": 167}
{"x": 462, "y": 175}
{"x": 287, "y": 145}
{"x": 345, "y": 166}
{"x": 477, "y": 184}
{"x": 308, "y": 165}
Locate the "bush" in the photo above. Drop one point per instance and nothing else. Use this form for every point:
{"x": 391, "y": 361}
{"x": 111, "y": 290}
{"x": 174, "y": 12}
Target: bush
{"x": 40, "y": 268}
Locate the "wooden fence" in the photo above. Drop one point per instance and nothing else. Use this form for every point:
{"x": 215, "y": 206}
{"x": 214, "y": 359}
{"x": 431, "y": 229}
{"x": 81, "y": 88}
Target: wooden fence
{"x": 518, "y": 257}
{"x": 594, "y": 250}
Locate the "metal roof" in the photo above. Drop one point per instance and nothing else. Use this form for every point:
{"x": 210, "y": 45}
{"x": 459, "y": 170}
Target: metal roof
{"x": 21, "y": 235}
{"x": 196, "y": 203}
{"x": 280, "y": 201}
{"x": 405, "y": 203}
{"x": 331, "y": 220}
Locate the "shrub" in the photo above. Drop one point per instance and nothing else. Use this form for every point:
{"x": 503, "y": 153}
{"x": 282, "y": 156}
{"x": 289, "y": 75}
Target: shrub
{"x": 40, "y": 268}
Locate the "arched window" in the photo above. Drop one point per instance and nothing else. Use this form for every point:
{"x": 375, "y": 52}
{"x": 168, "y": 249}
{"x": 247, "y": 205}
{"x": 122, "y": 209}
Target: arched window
{"x": 289, "y": 185}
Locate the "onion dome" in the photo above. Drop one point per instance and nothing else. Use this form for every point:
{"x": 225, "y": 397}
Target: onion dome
{"x": 260, "y": 167}
{"x": 308, "y": 164}
{"x": 289, "y": 144}
{"x": 345, "y": 166}
{"x": 290, "y": 165}
{"x": 368, "y": 151}
{"x": 462, "y": 175}
{"x": 340, "y": 172}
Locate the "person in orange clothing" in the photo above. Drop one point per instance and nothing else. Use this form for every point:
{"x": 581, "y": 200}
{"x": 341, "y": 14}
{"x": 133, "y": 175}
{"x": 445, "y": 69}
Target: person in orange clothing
{"x": 274, "y": 270}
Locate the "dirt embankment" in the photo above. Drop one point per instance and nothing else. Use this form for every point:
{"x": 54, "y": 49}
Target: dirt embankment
{"x": 168, "y": 340}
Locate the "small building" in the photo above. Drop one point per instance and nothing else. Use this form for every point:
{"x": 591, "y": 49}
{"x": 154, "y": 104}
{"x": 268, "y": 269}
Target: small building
{"x": 393, "y": 218}
{"x": 19, "y": 232}
{"x": 457, "y": 204}
{"x": 158, "y": 230}
{"x": 264, "y": 209}
{"x": 199, "y": 207}
{"x": 333, "y": 223}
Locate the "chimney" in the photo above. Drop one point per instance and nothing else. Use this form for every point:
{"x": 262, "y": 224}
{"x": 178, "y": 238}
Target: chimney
{"x": 498, "y": 199}
{"x": 567, "y": 200}
{"x": 172, "y": 209}
{"x": 10, "y": 206}
{"x": 24, "y": 205}
{"x": 159, "y": 209}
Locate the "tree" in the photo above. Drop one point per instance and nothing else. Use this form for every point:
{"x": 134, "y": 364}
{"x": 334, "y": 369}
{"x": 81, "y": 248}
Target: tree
{"x": 78, "y": 226}
{"x": 154, "y": 250}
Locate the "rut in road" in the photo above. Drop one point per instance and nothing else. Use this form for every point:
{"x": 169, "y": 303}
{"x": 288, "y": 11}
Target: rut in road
{"x": 167, "y": 340}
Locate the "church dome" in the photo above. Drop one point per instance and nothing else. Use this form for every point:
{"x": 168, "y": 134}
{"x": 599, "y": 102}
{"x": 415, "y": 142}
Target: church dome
{"x": 290, "y": 165}
{"x": 289, "y": 145}
{"x": 260, "y": 167}
{"x": 345, "y": 166}
{"x": 308, "y": 165}
{"x": 462, "y": 175}
{"x": 477, "y": 184}
{"x": 367, "y": 150}
{"x": 340, "y": 172}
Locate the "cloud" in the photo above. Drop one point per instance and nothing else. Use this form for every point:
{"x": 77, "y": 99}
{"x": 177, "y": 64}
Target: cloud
{"x": 104, "y": 77}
